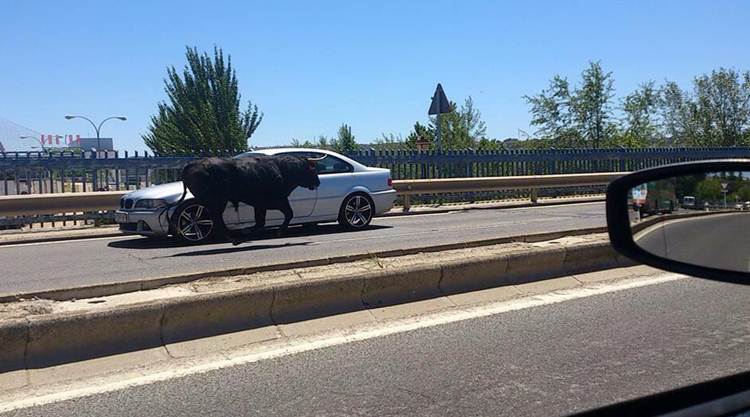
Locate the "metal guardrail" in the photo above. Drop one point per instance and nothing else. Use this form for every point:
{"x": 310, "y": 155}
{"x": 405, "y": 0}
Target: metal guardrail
{"x": 40, "y": 204}
{"x": 407, "y": 188}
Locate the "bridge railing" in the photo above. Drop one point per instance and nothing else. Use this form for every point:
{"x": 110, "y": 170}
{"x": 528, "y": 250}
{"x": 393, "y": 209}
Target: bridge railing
{"x": 38, "y": 173}
{"x": 46, "y": 204}
{"x": 86, "y": 171}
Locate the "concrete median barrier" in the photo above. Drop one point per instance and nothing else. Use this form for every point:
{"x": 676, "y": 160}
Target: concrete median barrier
{"x": 75, "y": 330}
{"x": 303, "y": 299}
{"x": 205, "y": 315}
{"x": 14, "y": 338}
{"x": 72, "y": 336}
{"x": 102, "y": 290}
{"x": 401, "y": 285}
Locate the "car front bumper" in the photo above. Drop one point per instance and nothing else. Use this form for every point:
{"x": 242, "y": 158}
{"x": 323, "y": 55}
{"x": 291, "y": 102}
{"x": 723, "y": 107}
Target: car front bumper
{"x": 146, "y": 223}
{"x": 383, "y": 200}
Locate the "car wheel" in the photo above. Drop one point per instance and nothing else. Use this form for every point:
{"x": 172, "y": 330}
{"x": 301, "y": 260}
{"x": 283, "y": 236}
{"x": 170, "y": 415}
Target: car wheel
{"x": 192, "y": 223}
{"x": 356, "y": 212}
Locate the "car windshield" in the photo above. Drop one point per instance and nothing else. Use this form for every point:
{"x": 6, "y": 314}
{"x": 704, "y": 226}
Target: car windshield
{"x": 440, "y": 247}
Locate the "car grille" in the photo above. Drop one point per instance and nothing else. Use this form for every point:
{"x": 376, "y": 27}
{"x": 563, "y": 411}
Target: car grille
{"x": 139, "y": 226}
{"x": 129, "y": 227}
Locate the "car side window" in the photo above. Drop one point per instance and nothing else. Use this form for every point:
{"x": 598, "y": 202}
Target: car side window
{"x": 328, "y": 165}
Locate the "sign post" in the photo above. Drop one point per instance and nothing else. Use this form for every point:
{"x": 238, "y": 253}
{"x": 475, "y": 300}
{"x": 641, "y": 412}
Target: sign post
{"x": 439, "y": 105}
{"x": 724, "y": 190}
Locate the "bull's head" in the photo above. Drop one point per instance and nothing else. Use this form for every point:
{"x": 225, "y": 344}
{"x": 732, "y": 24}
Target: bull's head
{"x": 311, "y": 180}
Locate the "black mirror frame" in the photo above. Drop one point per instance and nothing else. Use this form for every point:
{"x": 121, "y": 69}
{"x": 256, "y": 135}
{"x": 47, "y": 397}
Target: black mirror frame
{"x": 618, "y": 220}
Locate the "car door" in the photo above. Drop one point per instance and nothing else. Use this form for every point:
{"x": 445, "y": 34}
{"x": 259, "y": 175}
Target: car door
{"x": 301, "y": 199}
{"x": 336, "y": 178}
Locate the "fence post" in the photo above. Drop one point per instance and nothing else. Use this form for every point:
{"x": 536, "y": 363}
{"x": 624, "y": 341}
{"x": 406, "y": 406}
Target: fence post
{"x": 407, "y": 202}
{"x": 534, "y": 195}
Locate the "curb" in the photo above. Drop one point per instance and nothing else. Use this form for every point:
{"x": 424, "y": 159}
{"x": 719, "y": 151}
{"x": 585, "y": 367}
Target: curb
{"x": 101, "y": 290}
{"x": 46, "y": 340}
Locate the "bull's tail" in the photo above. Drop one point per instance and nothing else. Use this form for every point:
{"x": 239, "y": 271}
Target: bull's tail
{"x": 184, "y": 193}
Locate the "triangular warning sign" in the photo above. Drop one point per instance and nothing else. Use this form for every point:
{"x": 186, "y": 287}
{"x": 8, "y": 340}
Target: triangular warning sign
{"x": 440, "y": 102}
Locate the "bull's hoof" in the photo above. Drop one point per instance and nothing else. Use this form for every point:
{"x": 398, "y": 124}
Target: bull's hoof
{"x": 279, "y": 233}
{"x": 236, "y": 240}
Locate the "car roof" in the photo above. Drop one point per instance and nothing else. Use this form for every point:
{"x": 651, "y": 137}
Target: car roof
{"x": 277, "y": 151}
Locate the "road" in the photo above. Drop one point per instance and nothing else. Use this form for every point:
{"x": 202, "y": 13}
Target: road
{"x": 720, "y": 241}
{"x": 549, "y": 359}
{"x": 44, "y": 266}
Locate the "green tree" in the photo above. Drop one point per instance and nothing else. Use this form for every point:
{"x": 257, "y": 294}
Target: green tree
{"x": 389, "y": 141}
{"x": 716, "y": 113}
{"x": 418, "y": 132}
{"x": 322, "y": 142}
{"x": 591, "y": 105}
{"x": 722, "y": 106}
{"x": 743, "y": 193}
{"x": 202, "y": 115}
{"x": 345, "y": 141}
{"x": 579, "y": 117}
{"x": 640, "y": 126}
{"x": 551, "y": 112}
{"x": 461, "y": 128}
{"x": 709, "y": 189}
{"x": 677, "y": 115}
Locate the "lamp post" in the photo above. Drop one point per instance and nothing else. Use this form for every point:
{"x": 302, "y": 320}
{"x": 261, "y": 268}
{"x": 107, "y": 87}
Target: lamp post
{"x": 96, "y": 128}
{"x": 98, "y": 137}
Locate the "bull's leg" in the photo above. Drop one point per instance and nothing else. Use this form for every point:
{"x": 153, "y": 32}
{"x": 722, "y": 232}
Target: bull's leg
{"x": 260, "y": 218}
{"x": 217, "y": 210}
{"x": 285, "y": 208}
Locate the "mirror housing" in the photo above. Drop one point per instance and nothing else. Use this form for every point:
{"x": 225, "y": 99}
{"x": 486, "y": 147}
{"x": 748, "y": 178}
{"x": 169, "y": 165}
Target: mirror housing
{"x": 621, "y": 205}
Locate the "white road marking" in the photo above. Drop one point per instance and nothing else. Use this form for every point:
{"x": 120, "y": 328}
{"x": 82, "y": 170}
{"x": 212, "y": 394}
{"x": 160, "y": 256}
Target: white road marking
{"x": 342, "y": 336}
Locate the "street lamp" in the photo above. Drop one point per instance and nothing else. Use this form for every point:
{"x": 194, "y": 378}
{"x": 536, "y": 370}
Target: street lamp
{"x": 36, "y": 139}
{"x": 96, "y": 128}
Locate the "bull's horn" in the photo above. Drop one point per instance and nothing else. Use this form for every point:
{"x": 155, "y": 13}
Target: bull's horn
{"x": 317, "y": 159}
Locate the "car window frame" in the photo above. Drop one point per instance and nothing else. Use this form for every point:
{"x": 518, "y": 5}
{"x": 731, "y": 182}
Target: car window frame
{"x": 311, "y": 154}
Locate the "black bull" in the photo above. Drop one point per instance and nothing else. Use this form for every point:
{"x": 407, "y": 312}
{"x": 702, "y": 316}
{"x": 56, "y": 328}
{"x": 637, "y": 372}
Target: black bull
{"x": 264, "y": 182}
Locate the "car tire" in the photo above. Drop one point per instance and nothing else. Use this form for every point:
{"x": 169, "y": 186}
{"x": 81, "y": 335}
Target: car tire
{"x": 356, "y": 211}
{"x": 192, "y": 223}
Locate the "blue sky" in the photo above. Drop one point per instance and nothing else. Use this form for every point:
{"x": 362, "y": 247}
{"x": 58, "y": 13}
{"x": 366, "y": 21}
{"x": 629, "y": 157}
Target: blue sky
{"x": 312, "y": 65}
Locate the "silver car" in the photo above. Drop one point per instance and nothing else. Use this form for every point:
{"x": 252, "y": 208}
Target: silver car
{"x": 349, "y": 193}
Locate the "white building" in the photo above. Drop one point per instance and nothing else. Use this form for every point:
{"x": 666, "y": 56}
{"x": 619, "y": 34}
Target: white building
{"x": 10, "y": 137}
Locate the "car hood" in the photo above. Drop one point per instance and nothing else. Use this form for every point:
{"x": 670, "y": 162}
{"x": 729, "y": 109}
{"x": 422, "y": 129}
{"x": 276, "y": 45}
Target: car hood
{"x": 170, "y": 192}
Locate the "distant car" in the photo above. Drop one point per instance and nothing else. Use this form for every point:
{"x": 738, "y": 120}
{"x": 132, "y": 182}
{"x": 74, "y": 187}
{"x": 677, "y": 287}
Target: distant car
{"x": 349, "y": 192}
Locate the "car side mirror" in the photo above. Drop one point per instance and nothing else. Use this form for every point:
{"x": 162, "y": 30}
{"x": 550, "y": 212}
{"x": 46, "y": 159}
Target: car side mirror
{"x": 691, "y": 218}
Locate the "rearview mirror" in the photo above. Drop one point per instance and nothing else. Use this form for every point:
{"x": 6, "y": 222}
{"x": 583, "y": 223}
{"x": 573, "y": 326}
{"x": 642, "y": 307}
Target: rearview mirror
{"x": 691, "y": 218}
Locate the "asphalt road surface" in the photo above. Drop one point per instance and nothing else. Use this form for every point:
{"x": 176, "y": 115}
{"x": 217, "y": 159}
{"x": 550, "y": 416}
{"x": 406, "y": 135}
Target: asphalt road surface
{"x": 548, "y": 360}
{"x": 719, "y": 241}
{"x": 44, "y": 266}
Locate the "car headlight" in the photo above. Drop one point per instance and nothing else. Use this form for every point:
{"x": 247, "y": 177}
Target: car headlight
{"x": 150, "y": 204}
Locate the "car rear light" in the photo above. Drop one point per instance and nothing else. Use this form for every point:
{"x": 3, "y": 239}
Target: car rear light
{"x": 390, "y": 182}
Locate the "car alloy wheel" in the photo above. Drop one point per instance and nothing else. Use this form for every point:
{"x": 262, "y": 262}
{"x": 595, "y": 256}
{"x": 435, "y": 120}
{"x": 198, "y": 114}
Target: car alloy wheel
{"x": 356, "y": 212}
{"x": 194, "y": 223}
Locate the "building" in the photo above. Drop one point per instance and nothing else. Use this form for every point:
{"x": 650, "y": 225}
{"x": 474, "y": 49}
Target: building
{"x": 10, "y": 137}
{"x": 89, "y": 143}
